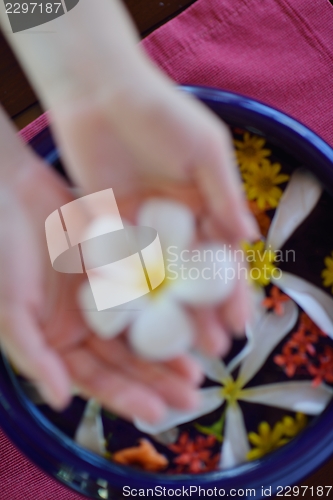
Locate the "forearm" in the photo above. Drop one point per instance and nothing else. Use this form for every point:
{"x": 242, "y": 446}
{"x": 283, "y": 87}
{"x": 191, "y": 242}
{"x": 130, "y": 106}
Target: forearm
{"x": 95, "y": 34}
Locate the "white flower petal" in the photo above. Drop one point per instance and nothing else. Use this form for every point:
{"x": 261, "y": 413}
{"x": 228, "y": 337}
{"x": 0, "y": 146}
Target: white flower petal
{"x": 208, "y": 276}
{"x": 235, "y": 443}
{"x": 314, "y": 301}
{"x": 167, "y": 437}
{"x": 211, "y": 399}
{"x": 257, "y": 296}
{"x": 174, "y": 222}
{"x": 213, "y": 368}
{"x": 300, "y": 197}
{"x": 162, "y": 331}
{"x": 267, "y": 334}
{"x": 89, "y": 433}
{"x": 295, "y": 396}
{"x": 107, "y": 323}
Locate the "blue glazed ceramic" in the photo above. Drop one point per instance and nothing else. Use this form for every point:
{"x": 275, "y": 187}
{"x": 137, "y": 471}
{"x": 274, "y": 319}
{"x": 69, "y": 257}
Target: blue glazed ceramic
{"x": 95, "y": 477}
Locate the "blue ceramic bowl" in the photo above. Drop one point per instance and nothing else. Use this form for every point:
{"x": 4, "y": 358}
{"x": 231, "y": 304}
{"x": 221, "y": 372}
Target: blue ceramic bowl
{"x": 96, "y": 477}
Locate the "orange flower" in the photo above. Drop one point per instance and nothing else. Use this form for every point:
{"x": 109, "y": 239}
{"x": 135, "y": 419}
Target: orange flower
{"x": 145, "y": 456}
{"x": 290, "y": 360}
{"x": 194, "y": 455}
{"x": 310, "y": 326}
{"x": 324, "y": 371}
{"x": 275, "y": 301}
{"x": 303, "y": 341}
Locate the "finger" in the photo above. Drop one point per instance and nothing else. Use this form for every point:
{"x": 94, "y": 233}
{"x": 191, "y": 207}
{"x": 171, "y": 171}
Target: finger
{"x": 236, "y": 311}
{"x": 186, "y": 367}
{"x": 23, "y": 342}
{"x": 212, "y": 338}
{"x": 114, "y": 390}
{"x": 154, "y": 375}
{"x": 218, "y": 177}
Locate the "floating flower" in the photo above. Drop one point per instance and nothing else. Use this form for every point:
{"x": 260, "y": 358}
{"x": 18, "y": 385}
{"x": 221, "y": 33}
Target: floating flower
{"x": 327, "y": 274}
{"x": 261, "y": 184}
{"x": 260, "y": 261}
{"x": 159, "y": 324}
{"x": 261, "y": 217}
{"x": 324, "y": 370}
{"x": 250, "y": 152}
{"x": 290, "y": 360}
{"x": 265, "y": 334}
{"x": 293, "y": 426}
{"x": 276, "y": 301}
{"x": 267, "y": 440}
{"x": 144, "y": 456}
{"x": 299, "y": 198}
{"x": 194, "y": 456}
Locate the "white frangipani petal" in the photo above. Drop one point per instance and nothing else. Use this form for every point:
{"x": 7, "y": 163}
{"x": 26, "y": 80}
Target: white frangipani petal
{"x": 258, "y": 312}
{"x": 107, "y": 323}
{"x": 267, "y": 334}
{"x": 167, "y": 437}
{"x": 207, "y": 276}
{"x": 235, "y": 443}
{"x": 211, "y": 399}
{"x": 89, "y": 432}
{"x": 213, "y": 368}
{"x": 299, "y": 199}
{"x": 162, "y": 331}
{"x": 174, "y": 222}
{"x": 294, "y": 396}
{"x": 315, "y": 302}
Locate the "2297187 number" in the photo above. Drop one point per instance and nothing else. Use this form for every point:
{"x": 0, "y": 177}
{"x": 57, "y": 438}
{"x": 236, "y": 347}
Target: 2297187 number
{"x": 295, "y": 491}
{"x": 30, "y": 8}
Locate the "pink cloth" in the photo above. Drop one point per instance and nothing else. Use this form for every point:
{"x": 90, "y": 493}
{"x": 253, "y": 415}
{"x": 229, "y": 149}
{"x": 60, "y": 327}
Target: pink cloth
{"x": 277, "y": 51}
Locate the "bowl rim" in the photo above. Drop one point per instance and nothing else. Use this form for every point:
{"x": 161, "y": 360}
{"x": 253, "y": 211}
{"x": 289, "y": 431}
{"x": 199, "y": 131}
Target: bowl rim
{"x": 23, "y": 422}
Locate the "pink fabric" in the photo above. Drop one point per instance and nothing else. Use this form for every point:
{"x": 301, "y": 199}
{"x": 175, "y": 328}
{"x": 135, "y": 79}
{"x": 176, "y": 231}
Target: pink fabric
{"x": 28, "y": 132}
{"x": 21, "y": 480}
{"x": 277, "y": 51}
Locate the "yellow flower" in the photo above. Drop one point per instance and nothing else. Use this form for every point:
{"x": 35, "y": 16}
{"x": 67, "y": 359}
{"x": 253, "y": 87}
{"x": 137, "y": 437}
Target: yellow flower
{"x": 269, "y": 439}
{"x": 250, "y": 151}
{"x": 327, "y": 274}
{"x": 292, "y": 426}
{"x": 261, "y": 184}
{"x": 260, "y": 261}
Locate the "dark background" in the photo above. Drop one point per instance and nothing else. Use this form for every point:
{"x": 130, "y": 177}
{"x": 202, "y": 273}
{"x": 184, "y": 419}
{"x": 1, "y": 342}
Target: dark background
{"x": 20, "y": 102}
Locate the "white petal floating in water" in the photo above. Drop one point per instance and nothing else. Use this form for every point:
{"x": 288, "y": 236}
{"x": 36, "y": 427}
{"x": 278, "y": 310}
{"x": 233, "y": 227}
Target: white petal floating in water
{"x": 89, "y": 433}
{"x": 266, "y": 335}
{"x": 162, "y": 331}
{"x": 167, "y": 437}
{"x": 299, "y": 199}
{"x": 295, "y": 396}
{"x": 235, "y": 443}
{"x": 211, "y": 399}
{"x": 213, "y": 368}
{"x": 174, "y": 222}
{"x": 315, "y": 302}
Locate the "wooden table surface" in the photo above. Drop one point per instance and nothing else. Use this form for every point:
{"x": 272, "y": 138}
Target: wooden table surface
{"x": 21, "y": 104}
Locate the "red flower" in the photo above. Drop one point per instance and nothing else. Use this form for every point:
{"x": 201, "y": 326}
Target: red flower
{"x": 307, "y": 323}
{"x": 290, "y": 359}
{"x": 303, "y": 341}
{"x": 276, "y": 301}
{"x": 324, "y": 371}
{"x": 194, "y": 455}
